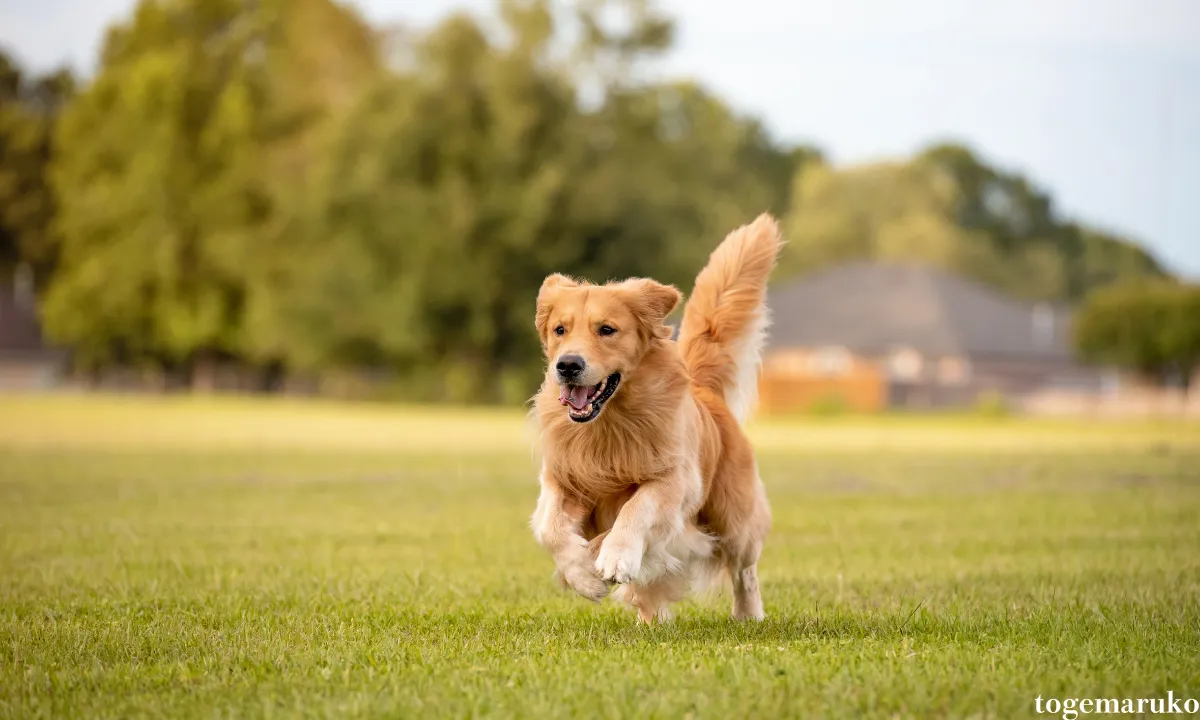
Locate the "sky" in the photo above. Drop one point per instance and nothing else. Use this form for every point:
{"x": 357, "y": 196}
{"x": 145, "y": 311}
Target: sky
{"x": 1097, "y": 101}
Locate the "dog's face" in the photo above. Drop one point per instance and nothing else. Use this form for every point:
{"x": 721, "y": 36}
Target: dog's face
{"x": 594, "y": 334}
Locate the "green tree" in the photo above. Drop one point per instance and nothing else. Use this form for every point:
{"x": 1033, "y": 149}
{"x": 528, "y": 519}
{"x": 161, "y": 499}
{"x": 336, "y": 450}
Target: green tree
{"x": 279, "y": 183}
{"x": 155, "y": 191}
{"x": 887, "y": 211}
{"x": 947, "y": 208}
{"x": 29, "y": 109}
{"x": 1104, "y": 259}
{"x": 439, "y": 193}
{"x": 1065, "y": 260}
{"x": 319, "y": 59}
{"x": 168, "y": 177}
{"x": 470, "y": 173}
{"x": 1150, "y": 327}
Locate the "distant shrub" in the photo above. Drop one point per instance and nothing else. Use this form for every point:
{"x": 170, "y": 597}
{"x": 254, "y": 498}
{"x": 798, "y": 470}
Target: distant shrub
{"x": 992, "y": 404}
{"x": 828, "y": 405}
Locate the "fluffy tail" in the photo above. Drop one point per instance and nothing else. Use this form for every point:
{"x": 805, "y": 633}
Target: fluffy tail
{"x": 725, "y": 321}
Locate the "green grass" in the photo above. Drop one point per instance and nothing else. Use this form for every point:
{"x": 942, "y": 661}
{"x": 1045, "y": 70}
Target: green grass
{"x": 210, "y": 558}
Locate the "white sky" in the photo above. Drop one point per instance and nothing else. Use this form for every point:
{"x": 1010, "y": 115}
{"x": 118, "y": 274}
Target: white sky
{"x": 1096, "y": 100}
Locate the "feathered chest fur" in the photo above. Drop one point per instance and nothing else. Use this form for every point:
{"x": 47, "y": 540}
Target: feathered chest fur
{"x": 606, "y": 457}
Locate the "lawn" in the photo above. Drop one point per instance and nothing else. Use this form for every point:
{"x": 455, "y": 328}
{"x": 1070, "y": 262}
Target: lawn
{"x": 187, "y": 558}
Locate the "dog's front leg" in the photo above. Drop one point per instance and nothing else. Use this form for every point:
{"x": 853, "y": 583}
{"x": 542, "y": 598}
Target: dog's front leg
{"x": 556, "y": 524}
{"x": 654, "y": 514}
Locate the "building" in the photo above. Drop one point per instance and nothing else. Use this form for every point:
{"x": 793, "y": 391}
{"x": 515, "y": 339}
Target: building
{"x": 867, "y": 336}
{"x": 26, "y": 361}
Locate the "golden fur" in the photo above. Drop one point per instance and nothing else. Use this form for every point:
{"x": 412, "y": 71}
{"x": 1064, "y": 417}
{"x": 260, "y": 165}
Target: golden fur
{"x": 661, "y": 488}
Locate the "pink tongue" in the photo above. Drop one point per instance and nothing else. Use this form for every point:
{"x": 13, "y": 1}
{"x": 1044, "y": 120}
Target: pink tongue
{"x": 575, "y": 395}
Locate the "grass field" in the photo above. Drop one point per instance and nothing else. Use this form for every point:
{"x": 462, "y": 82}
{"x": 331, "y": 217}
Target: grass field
{"x": 183, "y": 558}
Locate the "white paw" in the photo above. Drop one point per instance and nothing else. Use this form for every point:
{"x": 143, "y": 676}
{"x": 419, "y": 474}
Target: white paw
{"x": 619, "y": 561}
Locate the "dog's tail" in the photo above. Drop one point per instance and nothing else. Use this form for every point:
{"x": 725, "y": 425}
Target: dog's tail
{"x": 726, "y": 318}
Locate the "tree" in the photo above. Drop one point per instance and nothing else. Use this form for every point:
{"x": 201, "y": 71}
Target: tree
{"x": 435, "y": 193}
{"x": 29, "y": 109}
{"x": 319, "y": 59}
{"x": 155, "y": 190}
{"x": 887, "y": 211}
{"x": 1048, "y": 258}
{"x": 1150, "y": 327}
{"x": 947, "y": 208}
{"x": 168, "y": 178}
{"x": 278, "y": 184}
{"x": 464, "y": 178}
{"x": 1104, "y": 259}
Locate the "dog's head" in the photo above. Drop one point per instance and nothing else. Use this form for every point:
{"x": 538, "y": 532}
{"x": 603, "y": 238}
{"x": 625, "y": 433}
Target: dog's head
{"x": 594, "y": 334}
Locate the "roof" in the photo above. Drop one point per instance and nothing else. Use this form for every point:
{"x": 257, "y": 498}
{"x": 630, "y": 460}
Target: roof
{"x": 876, "y": 307}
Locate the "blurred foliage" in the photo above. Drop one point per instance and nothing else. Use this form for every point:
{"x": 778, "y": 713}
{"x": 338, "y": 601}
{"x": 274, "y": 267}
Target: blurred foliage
{"x": 29, "y": 107}
{"x": 829, "y": 404}
{"x": 1149, "y": 327}
{"x": 947, "y": 208}
{"x": 282, "y": 185}
{"x": 992, "y": 404}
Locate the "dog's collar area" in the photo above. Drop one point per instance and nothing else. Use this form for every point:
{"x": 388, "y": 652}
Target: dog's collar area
{"x": 595, "y": 398}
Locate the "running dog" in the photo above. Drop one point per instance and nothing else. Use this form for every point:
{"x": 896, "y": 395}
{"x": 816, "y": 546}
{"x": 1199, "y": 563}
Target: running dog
{"x": 648, "y": 480}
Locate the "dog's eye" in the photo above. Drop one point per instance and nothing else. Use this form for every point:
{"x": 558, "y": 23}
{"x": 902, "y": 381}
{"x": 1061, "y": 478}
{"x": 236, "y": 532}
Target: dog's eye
{"x": 607, "y": 330}
{"x": 560, "y": 330}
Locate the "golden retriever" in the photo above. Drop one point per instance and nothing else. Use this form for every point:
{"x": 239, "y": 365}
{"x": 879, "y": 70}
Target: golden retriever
{"x": 647, "y": 478}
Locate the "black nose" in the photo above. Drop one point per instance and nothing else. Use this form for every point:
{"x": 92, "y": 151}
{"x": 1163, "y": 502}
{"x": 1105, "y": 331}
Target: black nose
{"x": 569, "y": 366}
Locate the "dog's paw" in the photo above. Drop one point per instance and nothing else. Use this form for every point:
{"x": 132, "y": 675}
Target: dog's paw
{"x": 583, "y": 580}
{"x": 618, "y": 561}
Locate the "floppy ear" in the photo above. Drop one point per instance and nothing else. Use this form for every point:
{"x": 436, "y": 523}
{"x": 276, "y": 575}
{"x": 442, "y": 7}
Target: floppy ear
{"x": 545, "y": 297}
{"x": 653, "y": 302}
{"x": 662, "y": 299}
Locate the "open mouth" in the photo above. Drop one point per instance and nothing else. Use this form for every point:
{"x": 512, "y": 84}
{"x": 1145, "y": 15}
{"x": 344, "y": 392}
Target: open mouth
{"x": 584, "y": 402}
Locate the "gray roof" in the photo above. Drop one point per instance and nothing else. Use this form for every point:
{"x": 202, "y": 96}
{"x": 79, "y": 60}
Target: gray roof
{"x": 874, "y": 308}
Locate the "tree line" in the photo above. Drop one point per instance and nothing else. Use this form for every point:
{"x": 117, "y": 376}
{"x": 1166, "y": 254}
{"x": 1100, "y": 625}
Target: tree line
{"x": 281, "y": 185}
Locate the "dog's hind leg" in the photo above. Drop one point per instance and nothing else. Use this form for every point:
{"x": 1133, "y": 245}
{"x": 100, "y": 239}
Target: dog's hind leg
{"x": 742, "y": 528}
{"x": 741, "y": 553}
{"x": 747, "y": 601}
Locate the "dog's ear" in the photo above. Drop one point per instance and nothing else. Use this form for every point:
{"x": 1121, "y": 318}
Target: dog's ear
{"x": 653, "y": 302}
{"x": 662, "y": 299}
{"x": 557, "y": 280}
{"x": 545, "y": 300}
